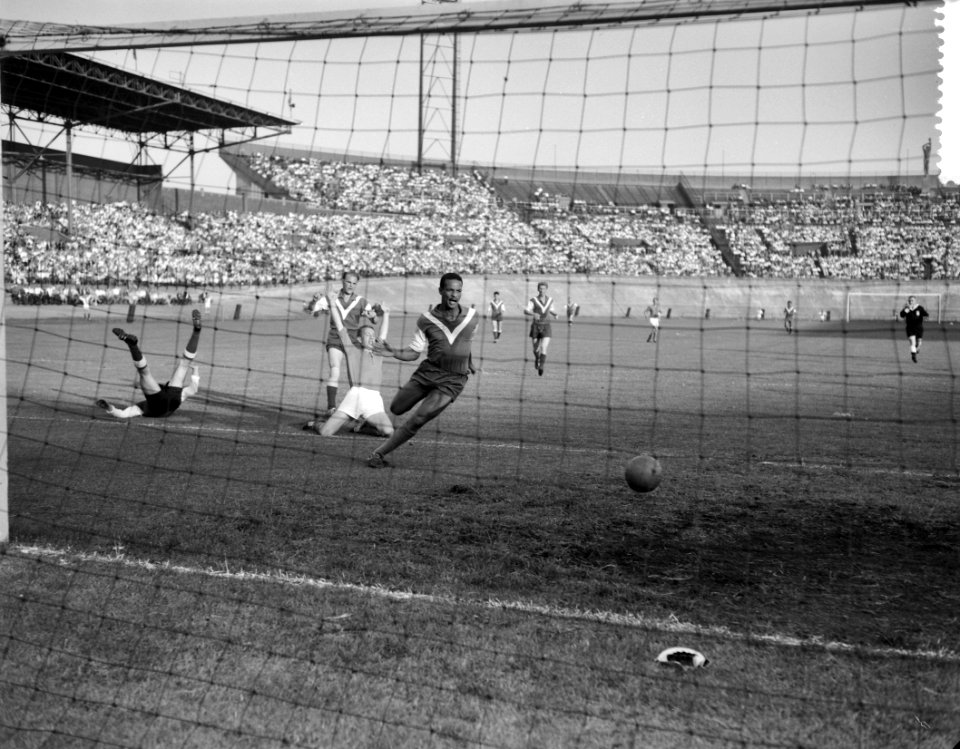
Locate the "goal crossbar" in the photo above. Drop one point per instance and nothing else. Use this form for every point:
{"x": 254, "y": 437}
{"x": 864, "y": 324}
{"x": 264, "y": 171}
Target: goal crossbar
{"x": 450, "y": 18}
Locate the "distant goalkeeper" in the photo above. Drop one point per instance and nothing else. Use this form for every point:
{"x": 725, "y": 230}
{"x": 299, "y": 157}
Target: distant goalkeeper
{"x": 161, "y": 400}
{"x": 912, "y": 314}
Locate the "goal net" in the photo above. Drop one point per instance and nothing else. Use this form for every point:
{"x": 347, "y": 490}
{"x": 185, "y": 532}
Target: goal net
{"x": 248, "y": 527}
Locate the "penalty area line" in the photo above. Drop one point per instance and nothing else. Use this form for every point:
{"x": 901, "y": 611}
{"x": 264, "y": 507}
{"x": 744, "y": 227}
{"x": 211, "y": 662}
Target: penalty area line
{"x": 672, "y": 625}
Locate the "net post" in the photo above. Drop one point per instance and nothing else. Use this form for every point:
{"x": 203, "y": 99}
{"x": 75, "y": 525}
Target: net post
{"x": 4, "y": 475}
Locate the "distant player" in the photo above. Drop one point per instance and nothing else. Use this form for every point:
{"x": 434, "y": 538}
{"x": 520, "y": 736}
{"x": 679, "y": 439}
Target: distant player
{"x": 653, "y": 315}
{"x": 86, "y": 299}
{"x": 161, "y": 400}
{"x": 496, "y": 316}
{"x": 789, "y": 315}
{"x": 571, "y": 311}
{"x": 363, "y": 402}
{"x": 913, "y": 314}
{"x": 540, "y": 308}
{"x": 445, "y": 333}
{"x": 352, "y": 308}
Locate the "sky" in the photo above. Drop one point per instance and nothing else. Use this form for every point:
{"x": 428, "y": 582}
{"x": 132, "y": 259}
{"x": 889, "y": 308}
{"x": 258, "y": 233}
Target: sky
{"x": 736, "y": 111}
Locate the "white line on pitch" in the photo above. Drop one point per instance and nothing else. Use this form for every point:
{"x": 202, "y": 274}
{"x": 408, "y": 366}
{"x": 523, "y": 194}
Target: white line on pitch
{"x": 672, "y": 625}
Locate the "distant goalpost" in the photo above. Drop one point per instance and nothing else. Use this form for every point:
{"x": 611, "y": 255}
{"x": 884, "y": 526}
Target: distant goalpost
{"x": 886, "y": 305}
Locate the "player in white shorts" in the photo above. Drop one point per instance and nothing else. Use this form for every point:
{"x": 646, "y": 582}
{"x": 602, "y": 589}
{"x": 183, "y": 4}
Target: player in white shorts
{"x": 653, "y": 314}
{"x": 363, "y": 402}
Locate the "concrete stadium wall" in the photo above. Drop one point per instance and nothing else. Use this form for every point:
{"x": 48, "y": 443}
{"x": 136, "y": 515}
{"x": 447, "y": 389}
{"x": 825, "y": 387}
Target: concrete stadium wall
{"x": 726, "y": 298}
{"x": 598, "y": 296}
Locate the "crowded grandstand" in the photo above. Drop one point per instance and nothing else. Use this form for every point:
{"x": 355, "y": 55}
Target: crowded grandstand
{"x": 389, "y": 220}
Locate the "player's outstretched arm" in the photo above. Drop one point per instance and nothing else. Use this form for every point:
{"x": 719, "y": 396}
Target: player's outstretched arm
{"x": 130, "y": 412}
{"x": 385, "y": 349}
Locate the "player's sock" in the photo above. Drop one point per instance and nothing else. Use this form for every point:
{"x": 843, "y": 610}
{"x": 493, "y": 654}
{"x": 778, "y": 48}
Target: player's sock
{"x": 543, "y": 361}
{"x": 403, "y": 433}
{"x": 190, "y": 351}
{"x": 331, "y": 397}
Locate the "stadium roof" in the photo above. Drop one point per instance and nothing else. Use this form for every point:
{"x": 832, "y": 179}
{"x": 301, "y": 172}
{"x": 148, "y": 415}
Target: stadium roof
{"x": 88, "y": 93}
{"x": 17, "y": 37}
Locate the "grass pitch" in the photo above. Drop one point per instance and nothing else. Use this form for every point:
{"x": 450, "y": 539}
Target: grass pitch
{"x": 222, "y": 578}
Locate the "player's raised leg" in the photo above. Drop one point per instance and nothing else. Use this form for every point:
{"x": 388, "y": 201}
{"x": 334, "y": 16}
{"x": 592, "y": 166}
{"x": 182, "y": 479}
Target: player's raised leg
{"x": 148, "y": 383}
{"x": 189, "y": 353}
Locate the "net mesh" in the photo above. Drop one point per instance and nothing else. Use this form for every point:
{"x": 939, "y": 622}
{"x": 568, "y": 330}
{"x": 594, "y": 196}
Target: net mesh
{"x": 706, "y": 191}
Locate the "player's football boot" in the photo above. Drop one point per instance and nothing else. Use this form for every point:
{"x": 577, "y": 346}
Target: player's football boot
{"x": 126, "y": 337}
{"x": 376, "y": 460}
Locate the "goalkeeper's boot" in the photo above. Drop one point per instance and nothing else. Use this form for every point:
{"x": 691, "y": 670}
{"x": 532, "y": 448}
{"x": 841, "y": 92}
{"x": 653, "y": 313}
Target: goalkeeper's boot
{"x": 128, "y": 338}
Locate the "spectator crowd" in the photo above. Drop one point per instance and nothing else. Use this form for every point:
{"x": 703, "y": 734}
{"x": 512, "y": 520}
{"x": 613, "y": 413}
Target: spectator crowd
{"x": 388, "y": 221}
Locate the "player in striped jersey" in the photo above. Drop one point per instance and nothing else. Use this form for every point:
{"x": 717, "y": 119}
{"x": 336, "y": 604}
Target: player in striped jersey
{"x": 352, "y": 308}
{"x": 540, "y": 308}
{"x": 496, "y": 315}
{"x": 445, "y": 334}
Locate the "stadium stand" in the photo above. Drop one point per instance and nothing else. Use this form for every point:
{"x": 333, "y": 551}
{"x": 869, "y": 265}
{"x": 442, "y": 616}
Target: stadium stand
{"x": 390, "y": 220}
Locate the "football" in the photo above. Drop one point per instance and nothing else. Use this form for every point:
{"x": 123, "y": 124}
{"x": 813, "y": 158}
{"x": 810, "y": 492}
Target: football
{"x": 643, "y": 473}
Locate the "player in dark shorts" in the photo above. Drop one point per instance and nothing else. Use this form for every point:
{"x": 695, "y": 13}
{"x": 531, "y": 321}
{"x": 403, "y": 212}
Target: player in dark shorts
{"x": 789, "y": 315}
{"x": 352, "y": 308}
{"x": 445, "y": 334}
{"x": 540, "y": 308}
{"x": 159, "y": 400}
{"x": 496, "y": 316}
{"x": 913, "y": 314}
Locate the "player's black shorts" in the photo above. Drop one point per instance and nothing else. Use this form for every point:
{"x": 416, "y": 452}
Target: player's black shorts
{"x": 540, "y": 330}
{"x": 431, "y": 377}
{"x": 162, "y": 404}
